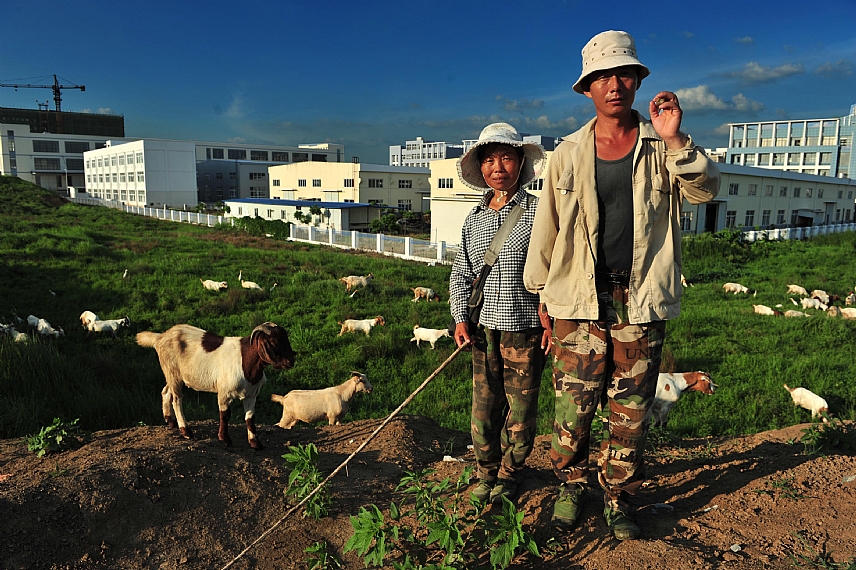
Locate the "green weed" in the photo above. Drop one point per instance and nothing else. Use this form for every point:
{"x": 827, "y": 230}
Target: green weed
{"x": 58, "y": 436}
{"x": 818, "y": 560}
{"x": 784, "y": 487}
{"x": 833, "y": 434}
{"x": 320, "y": 558}
{"x": 304, "y": 478}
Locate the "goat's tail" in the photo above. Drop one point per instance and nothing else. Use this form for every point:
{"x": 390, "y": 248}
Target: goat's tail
{"x": 147, "y": 338}
{"x": 788, "y": 388}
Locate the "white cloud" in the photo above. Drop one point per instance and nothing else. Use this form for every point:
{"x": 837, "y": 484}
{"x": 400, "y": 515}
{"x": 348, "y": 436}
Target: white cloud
{"x": 519, "y": 106}
{"x": 237, "y": 140}
{"x": 236, "y": 108}
{"x": 688, "y": 34}
{"x": 701, "y": 98}
{"x": 837, "y": 69}
{"x": 746, "y": 40}
{"x": 753, "y": 72}
{"x": 100, "y": 111}
{"x": 743, "y": 103}
{"x": 723, "y": 129}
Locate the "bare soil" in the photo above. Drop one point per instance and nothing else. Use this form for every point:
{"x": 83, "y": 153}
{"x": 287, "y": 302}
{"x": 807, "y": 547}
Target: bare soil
{"x": 145, "y": 498}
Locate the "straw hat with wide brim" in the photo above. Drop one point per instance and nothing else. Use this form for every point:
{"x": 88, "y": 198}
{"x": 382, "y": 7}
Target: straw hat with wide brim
{"x": 609, "y": 50}
{"x": 534, "y": 156}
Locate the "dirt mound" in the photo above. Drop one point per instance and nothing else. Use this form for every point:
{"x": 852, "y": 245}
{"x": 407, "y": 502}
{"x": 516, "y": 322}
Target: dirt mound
{"x": 145, "y": 498}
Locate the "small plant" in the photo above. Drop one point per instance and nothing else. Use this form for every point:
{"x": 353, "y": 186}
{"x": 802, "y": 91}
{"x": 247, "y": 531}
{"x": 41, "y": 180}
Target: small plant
{"x": 450, "y": 532}
{"x": 320, "y": 558}
{"x": 833, "y": 434}
{"x": 817, "y": 560}
{"x": 304, "y": 478}
{"x": 57, "y": 472}
{"x": 58, "y": 436}
{"x": 786, "y": 489}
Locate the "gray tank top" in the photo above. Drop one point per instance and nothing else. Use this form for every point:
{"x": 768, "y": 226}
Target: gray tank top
{"x": 614, "y": 180}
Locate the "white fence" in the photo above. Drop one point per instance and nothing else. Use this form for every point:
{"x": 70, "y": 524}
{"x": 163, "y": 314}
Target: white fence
{"x": 797, "y": 233}
{"x": 159, "y": 213}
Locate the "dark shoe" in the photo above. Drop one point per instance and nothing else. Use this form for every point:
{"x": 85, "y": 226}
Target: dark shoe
{"x": 620, "y": 524}
{"x": 504, "y": 488}
{"x": 482, "y": 490}
{"x": 568, "y": 505}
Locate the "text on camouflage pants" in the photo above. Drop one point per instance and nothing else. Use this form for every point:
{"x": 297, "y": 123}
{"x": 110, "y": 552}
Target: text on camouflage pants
{"x": 596, "y": 362}
{"x": 507, "y": 369}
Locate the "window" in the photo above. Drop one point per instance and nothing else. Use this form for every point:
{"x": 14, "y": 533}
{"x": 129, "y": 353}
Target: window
{"x": 686, "y": 221}
{"x": 838, "y": 215}
{"x": 319, "y": 158}
{"x": 793, "y": 159}
{"x": 233, "y": 193}
{"x": 445, "y": 183}
{"x": 301, "y": 183}
{"x": 765, "y": 218}
{"x": 207, "y": 176}
{"x": 730, "y": 218}
{"x": 375, "y": 182}
{"x": 764, "y": 159}
{"x": 257, "y": 175}
{"x": 45, "y": 146}
{"x": 76, "y": 147}
{"x": 809, "y": 158}
{"x": 820, "y": 192}
{"x": 100, "y": 162}
{"x": 139, "y": 158}
{"x": 121, "y": 160}
{"x": 130, "y": 159}
{"x": 405, "y": 183}
{"x": 282, "y": 214}
{"x": 130, "y": 177}
{"x": 132, "y": 194}
{"x": 74, "y": 163}
{"x": 257, "y": 192}
{"x": 768, "y": 190}
{"x": 122, "y": 177}
{"x": 750, "y": 218}
{"x": 237, "y": 154}
{"x": 405, "y": 204}
{"x": 123, "y": 194}
{"x": 219, "y": 176}
{"x": 258, "y": 155}
{"x": 796, "y": 191}
{"x": 783, "y": 191}
{"x": 276, "y": 182}
{"x": 840, "y": 194}
{"x": 808, "y": 192}
{"x": 794, "y": 214}
{"x": 825, "y": 158}
{"x": 112, "y": 161}
{"x": 753, "y": 189}
{"x": 316, "y": 183}
{"x": 217, "y": 153}
{"x": 299, "y": 156}
{"x": 279, "y": 157}
{"x": 749, "y": 160}
{"x": 140, "y": 177}
{"x": 537, "y": 184}
{"x": 46, "y": 163}
{"x": 732, "y": 189}
{"x": 115, "y": 177}
{"x": 349, "y": 183}
{"x": 233, "y": 175}
{"x": 778, "y": 159}
{"x": 101, "y": 179}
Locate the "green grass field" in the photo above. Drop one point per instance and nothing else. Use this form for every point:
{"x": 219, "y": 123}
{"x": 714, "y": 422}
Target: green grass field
{"x": 57, "y": 260}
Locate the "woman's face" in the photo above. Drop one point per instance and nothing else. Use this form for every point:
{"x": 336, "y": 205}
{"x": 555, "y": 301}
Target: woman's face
{"x": 501, "y": 168}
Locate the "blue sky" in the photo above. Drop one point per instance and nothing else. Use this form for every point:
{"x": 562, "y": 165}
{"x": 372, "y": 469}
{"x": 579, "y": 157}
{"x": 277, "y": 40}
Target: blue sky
{"x": 370, "y": 74}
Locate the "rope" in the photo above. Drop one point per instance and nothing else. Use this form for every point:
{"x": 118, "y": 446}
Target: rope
{"x": 351, "y": 456}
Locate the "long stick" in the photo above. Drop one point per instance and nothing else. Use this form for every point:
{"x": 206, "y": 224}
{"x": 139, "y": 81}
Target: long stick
{"x": 351, "y": 456}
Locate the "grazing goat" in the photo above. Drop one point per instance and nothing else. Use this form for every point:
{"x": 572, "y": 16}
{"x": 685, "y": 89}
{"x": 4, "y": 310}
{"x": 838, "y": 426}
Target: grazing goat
{"x": 354, "y": 281}
{"x": 364, "y": 326}
{"x": 424, "y": 293}
{"x": 248, "y": 284}
{"x": 10, "y": 330}
{"x": 428, "y": 335}
{"x": 809, "y": 400}
{"x": 233, "y": 367}
{"x": 44, "y": 328}
{"x": 812, "y": 303}
{"x": 312, "y": 406}
{"x": 735, "y": 288}
{"x": 214, "y": 285}
{"x": 765, "y": 310}
{"x": 111, "y": 326}
{"x": 671, "y": 386}
{"x": 833, "y": 311}
{"x": 797, "y": 290}
{"x": 849, "y": 313}
{"x": 821, "y": 295}
{"x": 851, "y": 299}
{"x": 33, "y": 320}
{"x": 796, "y": 314}
{"x": 86, "y": 318}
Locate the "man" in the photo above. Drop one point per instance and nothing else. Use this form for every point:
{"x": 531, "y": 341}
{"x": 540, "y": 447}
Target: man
{"x": 605, "y": 258}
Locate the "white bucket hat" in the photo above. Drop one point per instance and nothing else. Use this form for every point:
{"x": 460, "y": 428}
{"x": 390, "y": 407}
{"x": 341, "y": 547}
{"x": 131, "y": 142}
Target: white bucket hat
{"x": 609, "y": 50}
{"x": 534, "y": 156}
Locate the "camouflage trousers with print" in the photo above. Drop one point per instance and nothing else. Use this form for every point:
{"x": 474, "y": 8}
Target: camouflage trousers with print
{"x": 599, "y": 363}
{"x": 507, "y": 369}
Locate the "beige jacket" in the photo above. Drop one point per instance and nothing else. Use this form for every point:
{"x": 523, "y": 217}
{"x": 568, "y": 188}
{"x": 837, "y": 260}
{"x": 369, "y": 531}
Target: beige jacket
{"x": 561, "y": 259}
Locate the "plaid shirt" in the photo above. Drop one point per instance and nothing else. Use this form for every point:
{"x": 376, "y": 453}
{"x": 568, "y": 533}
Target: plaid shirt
{"x": 508, "y": 306}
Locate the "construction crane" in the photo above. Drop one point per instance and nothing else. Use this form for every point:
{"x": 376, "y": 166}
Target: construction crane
{"x": 57, "y": 89}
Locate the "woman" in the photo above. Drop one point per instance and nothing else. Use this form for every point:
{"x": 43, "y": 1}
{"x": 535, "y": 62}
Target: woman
{"x": 508, "y": 342}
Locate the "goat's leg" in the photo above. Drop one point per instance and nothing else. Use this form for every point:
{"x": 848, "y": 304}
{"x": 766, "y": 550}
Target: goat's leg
{"x": 185, "y": 430}
{"x": 166, "y": 404}
{"x": 250, "y": 419}
{"x": 223, "y": 432}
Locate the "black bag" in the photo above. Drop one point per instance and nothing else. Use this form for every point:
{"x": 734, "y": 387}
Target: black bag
{"x": 476, "y": 300}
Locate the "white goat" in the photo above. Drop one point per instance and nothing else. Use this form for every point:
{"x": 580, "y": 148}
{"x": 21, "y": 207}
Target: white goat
{"x": 248, "y": 284}
{"x": 821, "y": 295}
{"x": 233, "y": 367}
{"x": 812, "y": 303}
{"x": 214, "y": 285}
{"x": 312, "y": 406}
{"x": 792, "y": 314}
{"x": 424, "y": 293}
{"x": 735, "y": 288}
{"x": 797, "y": 290}
{"x": 765, "y": 310}
{"x": 684, "y": 282}
{"x": 111, "y": 326}
{"x": 670, "y": 386}
{"x": 849, "y": 313}
{"x": 86, "y": 318}
{"x": 809, "y": 400}
{"x": 364, "y": 325}
{"x": 44, "y": 328}
{"x": 833, "y": 311}
{"x": 33, "y": 320}
{"x": 428, "y": 335}
{"x": 851, "y": 298}
{"x": 354, "y": 281}
{"x": 11, "y": 331}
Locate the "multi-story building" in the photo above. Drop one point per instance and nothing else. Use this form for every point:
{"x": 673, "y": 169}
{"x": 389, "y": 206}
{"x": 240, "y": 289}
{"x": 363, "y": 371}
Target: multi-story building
{"x": 420, "y": 152}
{"x": 401, "y": 187}
{"x": 815, "y": 146}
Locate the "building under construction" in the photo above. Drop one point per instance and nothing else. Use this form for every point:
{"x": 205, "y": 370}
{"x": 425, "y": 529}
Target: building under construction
{"x": 65, "y": 123}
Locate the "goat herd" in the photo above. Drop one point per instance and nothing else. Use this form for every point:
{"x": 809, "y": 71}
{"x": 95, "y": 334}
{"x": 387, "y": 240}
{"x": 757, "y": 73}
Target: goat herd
{"x": 233, "y": 367}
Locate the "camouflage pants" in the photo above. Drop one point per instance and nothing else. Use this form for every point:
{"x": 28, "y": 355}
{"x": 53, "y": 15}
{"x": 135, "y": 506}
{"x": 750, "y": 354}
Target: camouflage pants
{"x": 595, "y": 363}
{"x": 507, "y": 369}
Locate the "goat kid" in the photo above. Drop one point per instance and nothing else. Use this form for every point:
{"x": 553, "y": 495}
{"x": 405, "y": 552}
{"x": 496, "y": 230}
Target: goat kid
{"x": 111, "y": 326}
{"x": 363, "y": 326}
{"x": 232, "y": 367}
{"x": 311, "y": 406}
{"x": 797, "y": 290}
{"x": 424, "y": 293}
{"x": 214, "y": 285}
{"x": 807, "y": 399}
{"x": 428, "y": 335}
{"x": 354, "y": 281}
{"x": 765, "y": 310}
{"x": 44, "y": 328}
{"x": 87, "y": 318}
{"x": 735, "y": 288}
{"x": 812, "y": 303}
{"x": 670, "y": 386}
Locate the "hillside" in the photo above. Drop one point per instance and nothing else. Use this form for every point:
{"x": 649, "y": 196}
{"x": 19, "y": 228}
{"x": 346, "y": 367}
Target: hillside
{"x": 144, "y": 498}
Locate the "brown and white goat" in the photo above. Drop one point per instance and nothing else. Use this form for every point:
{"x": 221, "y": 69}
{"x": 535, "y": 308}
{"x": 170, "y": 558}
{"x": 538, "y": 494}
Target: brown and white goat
{"x": 424, "y": 293}
{"x": 670, "y": 386}
{"x": 232, "y": 367}
{"x": 354, "y": 281}
{"x": 805, "y": 398}
{"x": 361, "y": 325}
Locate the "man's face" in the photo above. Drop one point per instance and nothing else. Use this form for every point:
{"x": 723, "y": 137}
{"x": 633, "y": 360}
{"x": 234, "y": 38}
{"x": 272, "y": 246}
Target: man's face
{"x": 613, "y": 90}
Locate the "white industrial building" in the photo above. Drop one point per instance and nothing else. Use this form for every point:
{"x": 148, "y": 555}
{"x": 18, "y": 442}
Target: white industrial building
{"x": 343, "y": 216}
